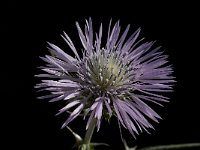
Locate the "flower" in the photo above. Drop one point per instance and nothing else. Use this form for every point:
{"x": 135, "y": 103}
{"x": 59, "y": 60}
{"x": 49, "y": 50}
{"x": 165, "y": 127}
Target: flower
{"x": 118, "y": 79}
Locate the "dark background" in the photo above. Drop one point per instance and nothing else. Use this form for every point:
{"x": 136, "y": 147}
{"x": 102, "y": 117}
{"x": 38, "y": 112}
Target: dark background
{"x": 29, "y": 123}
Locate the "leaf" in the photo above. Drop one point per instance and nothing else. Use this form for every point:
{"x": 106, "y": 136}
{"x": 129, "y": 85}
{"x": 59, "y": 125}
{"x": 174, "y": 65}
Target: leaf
{"x": 126, "y": 146}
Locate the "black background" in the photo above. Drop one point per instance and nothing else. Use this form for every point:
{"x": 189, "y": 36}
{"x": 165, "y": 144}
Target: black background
{"x": 29, "y": 123}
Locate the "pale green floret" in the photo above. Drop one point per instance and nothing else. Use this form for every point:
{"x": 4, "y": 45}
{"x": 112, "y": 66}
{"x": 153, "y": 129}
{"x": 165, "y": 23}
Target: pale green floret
{"x": 106, "y": 71}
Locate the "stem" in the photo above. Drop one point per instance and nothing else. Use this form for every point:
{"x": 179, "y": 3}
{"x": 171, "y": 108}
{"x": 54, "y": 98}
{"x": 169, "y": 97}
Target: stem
{"x": 89, "y": 132}
{"x": 174, "y": 146}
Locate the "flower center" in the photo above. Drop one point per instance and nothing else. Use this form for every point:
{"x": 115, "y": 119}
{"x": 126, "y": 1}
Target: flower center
{"x": 106, "y": 71}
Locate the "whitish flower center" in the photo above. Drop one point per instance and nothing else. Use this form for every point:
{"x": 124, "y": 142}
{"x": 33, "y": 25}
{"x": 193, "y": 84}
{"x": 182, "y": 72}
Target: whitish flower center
{"x": 106, "y": 71}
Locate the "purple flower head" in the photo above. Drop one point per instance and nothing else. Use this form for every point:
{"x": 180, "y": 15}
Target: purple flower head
{"x": 116, "y": 79}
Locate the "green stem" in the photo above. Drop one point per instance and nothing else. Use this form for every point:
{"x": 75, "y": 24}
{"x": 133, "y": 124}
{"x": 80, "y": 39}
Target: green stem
{"x": 89, "y": 132}
{"x": 173, "y": 146}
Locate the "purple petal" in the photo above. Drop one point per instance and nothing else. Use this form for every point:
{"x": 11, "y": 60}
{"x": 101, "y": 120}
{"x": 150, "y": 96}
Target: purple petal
{"x": 68, "y": 106}
{"x": 108, "y": 108}
{"x": 72, "y": 95}
{"x": 74, "y": 114}
{"x": 71, "y": 45}
{"x": 90, "y": 119}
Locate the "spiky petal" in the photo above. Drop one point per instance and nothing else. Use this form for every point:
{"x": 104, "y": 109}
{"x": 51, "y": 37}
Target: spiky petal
{"x": 120, "y": 78}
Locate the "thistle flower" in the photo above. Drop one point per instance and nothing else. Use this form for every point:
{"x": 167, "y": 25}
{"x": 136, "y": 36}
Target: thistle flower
{"x": 117, "y": 79}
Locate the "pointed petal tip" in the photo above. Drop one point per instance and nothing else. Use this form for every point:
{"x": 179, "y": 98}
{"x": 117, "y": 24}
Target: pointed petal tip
{"x": 49, "y": 43}
{"x": 57, "y": 114}
{"x": 63, "y": 126}
{"x": 51, "y": 101}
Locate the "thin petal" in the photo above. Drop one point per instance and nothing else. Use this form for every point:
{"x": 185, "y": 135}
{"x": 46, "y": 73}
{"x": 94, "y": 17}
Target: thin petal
{"x": 72, "y": 95}
{"x": 74, "y": 114}
{"x": 68, "y": 106}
